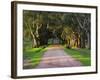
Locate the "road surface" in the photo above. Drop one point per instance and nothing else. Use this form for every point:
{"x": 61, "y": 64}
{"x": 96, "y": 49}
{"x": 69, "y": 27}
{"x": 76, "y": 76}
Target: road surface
{"x": 56, "y": 57}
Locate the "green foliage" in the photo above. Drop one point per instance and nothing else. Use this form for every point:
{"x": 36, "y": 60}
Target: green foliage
{"x": 50, "y": 41}
{"x": 83, "y": 55}
{"x": 40, "y": 26}
{"x": 33, "y": 56}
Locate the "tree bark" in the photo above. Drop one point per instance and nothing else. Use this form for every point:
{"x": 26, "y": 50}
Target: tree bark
{"x": 82, "y": 41}
{"x": 88, "y": 41}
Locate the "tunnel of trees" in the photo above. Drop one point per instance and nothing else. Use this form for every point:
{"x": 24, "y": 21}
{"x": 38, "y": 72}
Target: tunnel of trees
{"x": 71, "y": 29}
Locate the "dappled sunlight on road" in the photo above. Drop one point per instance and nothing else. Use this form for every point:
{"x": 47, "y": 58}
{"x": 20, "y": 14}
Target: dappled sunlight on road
{"x": 51, "y": 47}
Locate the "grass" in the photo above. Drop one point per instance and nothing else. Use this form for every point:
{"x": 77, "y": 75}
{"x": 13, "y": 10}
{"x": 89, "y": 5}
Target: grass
{"x": 33, "y": 56}
{"x": 83, "y": 55}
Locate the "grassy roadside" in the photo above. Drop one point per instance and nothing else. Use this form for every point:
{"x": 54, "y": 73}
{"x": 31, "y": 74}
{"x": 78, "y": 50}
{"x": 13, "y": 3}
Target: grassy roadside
{"x": 83, "y": 55}
{"x": 32, "y": 57}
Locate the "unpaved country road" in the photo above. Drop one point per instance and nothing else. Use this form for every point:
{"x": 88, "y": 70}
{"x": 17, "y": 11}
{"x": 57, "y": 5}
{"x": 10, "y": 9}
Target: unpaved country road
{"x": 56, "y": 57}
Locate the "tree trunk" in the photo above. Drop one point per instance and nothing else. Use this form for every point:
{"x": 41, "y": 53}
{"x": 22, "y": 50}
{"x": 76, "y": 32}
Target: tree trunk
{"x": 88, "y": 41}
{"x": 79, "y": 42}
{"x": 34, "y": 43}
{"x": 82, "y": 41}
{"x": 37, "y": 35}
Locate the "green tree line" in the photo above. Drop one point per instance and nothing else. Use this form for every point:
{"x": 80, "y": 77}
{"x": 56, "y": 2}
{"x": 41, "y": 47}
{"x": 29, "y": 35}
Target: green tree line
{"x": 72, "y": 29}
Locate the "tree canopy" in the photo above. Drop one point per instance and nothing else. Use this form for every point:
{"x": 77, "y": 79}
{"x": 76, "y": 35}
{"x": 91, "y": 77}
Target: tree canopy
{"x": 72, "y": 29}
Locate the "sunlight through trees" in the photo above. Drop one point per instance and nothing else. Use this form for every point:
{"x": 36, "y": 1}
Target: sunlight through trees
{"x": 70, "y": 29}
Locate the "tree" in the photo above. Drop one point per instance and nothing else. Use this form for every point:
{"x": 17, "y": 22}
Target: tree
{"x": 84, "y": 24}
{"x": 73, "y": 29}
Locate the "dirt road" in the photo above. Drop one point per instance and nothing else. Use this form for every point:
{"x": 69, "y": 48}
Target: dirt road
{"x": 56, "y": 57}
